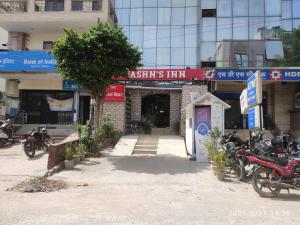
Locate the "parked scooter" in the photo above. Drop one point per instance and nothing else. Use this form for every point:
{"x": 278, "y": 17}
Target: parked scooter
{"x": 6, "y": 133}
{"x": 37, "y": 139}
{"x": 275, "y": 175}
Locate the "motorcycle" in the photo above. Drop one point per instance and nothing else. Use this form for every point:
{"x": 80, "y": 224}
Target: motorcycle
{"x": 37, "y": 139}
{"x": 6, "y": 133}
{"x": 236, "y": 150}
{"x": 275, "y": 175}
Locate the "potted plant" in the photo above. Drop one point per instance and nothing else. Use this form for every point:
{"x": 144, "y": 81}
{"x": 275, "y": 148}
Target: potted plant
{"x": 220, "y": 165}
{"x": 69, "y": 163}
{"x": 81, "y": 151}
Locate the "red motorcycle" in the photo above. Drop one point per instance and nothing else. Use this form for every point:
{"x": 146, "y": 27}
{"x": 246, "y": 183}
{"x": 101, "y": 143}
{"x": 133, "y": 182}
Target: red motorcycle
{"x": 275, "y": 174}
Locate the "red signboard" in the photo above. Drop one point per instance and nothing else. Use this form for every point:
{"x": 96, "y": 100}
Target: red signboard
{"x": 166, "y": 74}
{"x": 115, "y": 93}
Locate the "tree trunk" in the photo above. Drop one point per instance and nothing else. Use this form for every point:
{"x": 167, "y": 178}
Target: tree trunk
{"x": 98, "y": 110}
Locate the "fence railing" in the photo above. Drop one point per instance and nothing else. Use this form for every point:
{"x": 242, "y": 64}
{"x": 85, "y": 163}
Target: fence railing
{"x": 13, "y": 6}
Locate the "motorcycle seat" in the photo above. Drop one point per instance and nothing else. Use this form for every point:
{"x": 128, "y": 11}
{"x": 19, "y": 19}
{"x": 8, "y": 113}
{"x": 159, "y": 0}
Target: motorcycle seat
{"x": 275, "y": 160}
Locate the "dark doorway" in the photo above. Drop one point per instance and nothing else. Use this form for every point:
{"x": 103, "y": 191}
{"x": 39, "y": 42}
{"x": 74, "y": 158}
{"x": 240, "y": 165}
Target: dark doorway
{"x": 84, "y": 109}
{"x": 156, "y": 108}
{"x": 35, "y": 105}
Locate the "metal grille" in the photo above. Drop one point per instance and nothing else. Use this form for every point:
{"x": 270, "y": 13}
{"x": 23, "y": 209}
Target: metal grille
{"x": 48, "y": 6}
{"x": 87, "y": 5}
{"x": 13, "y": 6}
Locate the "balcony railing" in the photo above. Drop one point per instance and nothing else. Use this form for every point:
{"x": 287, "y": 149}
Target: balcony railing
{"x": 86, "y": 5}
{"x": 13, "y": 6}
{"x": 49, "y": 5}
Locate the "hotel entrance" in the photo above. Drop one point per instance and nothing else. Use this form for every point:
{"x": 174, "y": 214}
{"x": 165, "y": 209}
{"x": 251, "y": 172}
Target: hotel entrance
{"x": 156, "y": 109}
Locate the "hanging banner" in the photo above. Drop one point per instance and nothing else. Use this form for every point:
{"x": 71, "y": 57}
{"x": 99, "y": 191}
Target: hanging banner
{"x": 244, "y": 102}
{"x": 60, "y": 105}
{"x": 202, "y": 128}
{"x": 254, "y": 89}
{"x": 115, "y": 93}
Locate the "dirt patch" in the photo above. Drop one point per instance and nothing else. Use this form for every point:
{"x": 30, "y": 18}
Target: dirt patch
{"x": 39, "y": 184}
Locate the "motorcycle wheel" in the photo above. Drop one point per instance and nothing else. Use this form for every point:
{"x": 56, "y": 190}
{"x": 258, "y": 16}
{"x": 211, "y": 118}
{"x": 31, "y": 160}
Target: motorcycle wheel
{"x": 29, "y": 148}
{"x": 240, "y": 170}
{"x": 260, "y": 182}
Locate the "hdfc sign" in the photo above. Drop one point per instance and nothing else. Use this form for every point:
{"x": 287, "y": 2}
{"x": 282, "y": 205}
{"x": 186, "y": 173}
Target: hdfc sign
{"x": 115, "y": 93}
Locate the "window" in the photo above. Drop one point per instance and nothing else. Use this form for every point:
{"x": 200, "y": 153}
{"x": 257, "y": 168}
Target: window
{"x": 150, "y": 16}
{"x": 208, "y": 29}
{"x": 177, "y": 16}
{"x": 241, "y": 60}
{"x": 224, "y": 29}
{"x": 256, "y": 8}
{"x": 224, "y": 8}
{"x": 274, "y": 50}
{"x": 209, "y": 12}
{"x": 273, "y": 7}
{"x": 260, "y": 60}
{"x": 96, "y": 5}
{"x": 54, "y": 5}
{"x": 47, "y": 45}
{"x": 208, "y": 4}
{"x": 240, "y": 28}
{"x": 76, "y": 5}
{"x": 240, "y": 7}
{"x": 208, "y": 64}
{"x": 164, "y": 16}
{"x": 296, "y": 6}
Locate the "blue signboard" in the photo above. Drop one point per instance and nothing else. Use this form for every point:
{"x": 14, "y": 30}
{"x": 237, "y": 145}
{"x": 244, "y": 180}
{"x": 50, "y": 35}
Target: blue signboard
{"x": 251, "y": 118}
{"x": 285, "y": 74}
{"x": 251, "y": 91}
{"x": 254, "y": 117}
{"x": 239, "y": 74}
{"x": 71, "y": 85}
{"x": 26, "y": 61}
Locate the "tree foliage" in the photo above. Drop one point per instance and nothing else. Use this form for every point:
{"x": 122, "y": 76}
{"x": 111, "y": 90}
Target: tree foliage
{"x": 95, "y": 57}
{"x": 291, "y": 47}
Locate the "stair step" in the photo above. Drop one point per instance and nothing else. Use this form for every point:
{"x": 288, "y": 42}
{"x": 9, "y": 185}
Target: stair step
{"x": 143, "y": 152}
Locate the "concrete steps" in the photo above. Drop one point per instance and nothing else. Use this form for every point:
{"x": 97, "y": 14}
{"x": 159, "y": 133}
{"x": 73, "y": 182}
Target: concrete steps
{"x": 161, "y": 131}
{"x": 147, "y": 144}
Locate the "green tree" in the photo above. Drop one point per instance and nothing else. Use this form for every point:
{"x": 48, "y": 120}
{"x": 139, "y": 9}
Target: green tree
{"x": 291, "y": 48}
{"x": 94, "y": 58}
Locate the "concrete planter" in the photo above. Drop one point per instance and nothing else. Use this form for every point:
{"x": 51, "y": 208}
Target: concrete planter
{"x": 69, "y": 164}
{"x": 220, "y": 175}
{"x": 82, "y": 157}
{"x": 76, "y": 159}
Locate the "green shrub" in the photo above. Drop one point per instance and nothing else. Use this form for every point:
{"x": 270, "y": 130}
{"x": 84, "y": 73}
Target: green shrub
{"x": 106, "y": 129}
{"x": 69, "y": 151}
{"x": 81, "y": 149}
{"x": 220, "y": 158}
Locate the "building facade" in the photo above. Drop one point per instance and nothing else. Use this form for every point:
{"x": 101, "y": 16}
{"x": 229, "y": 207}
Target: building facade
{"x": 32, "y": 26}
{"x": 189, "y": 47}
{"x": 190, "y": 33}
{"x": 221, "y": 34}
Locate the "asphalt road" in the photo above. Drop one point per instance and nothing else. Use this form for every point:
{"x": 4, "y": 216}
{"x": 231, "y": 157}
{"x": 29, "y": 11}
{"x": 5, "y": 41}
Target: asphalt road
{"x": 124, "y": 189}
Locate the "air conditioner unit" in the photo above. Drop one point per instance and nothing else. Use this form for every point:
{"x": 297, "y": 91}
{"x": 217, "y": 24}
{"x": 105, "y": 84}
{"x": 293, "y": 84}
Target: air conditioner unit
{"x": 297, "y": 100}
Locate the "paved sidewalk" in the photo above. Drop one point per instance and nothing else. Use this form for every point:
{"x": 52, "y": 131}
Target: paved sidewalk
{"x": 162, "y": 189}
{"x": 15, "y": 166}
